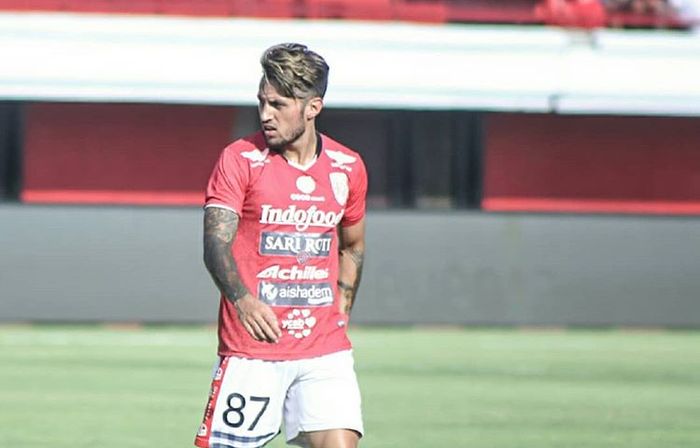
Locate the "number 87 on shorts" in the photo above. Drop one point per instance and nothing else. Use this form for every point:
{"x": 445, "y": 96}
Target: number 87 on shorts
{"x": 242, "y": 410}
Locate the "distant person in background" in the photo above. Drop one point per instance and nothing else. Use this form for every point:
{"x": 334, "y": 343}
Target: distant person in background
{"x": 689, "y": 12}
{"x": 284, "y": 237}
{"x": 643, "y": 7}
{"x": 572, "y": 13}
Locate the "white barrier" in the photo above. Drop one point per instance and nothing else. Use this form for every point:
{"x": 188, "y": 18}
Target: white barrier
{"x": 118, "y": 58}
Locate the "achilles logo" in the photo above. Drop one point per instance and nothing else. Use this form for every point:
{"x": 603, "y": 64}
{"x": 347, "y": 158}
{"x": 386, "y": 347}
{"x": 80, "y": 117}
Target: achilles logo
{"x": 294, "y": 273}
{"x": 299, "y": 323}
{"x": 295, "y": 294}
{"x": 300, "y": 218}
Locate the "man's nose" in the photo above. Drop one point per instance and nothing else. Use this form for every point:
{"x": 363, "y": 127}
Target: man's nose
{"x": 264, "y": 112}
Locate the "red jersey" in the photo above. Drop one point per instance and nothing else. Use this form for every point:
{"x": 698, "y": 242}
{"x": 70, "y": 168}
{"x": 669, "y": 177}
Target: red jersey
{"x": 286, "y": 247}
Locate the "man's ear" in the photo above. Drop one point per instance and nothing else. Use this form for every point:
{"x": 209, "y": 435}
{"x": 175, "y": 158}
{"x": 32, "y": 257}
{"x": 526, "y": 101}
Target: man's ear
{"x": 313, "y": 108}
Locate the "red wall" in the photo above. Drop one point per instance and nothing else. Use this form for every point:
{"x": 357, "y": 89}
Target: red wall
{"x": 121, "y": 153}
{"x": 515, "y": 11}
{"x": 579, "y": 13}
{"x": 163, "y": 154}
{"x": 592, "y": 163}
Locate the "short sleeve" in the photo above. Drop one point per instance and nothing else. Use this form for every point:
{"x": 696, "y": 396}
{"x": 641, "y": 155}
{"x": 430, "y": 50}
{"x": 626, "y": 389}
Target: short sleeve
{"x": 228, "y": 182}
{"x": 357, "y": 196}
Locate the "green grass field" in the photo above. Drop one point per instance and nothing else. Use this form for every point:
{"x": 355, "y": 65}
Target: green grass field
{"x": 90, "y": 386}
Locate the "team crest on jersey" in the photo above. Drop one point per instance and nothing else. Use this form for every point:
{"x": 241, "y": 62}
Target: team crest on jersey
{"x": 341, "y": 160}
{"x": 257, "y": 158}
{"x": 339, "y": 183}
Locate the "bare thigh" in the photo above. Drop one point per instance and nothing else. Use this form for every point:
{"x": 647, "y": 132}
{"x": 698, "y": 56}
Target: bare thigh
{"x": 332, "y": 438}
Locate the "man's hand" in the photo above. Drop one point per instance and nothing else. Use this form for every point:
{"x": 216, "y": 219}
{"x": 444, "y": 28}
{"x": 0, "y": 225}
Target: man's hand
{"x": 220, "y": 227}
{"x": 258, "y": 319}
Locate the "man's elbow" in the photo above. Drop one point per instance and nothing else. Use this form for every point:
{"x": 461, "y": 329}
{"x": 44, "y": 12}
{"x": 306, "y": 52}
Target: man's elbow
{"x": 357, "y": 245}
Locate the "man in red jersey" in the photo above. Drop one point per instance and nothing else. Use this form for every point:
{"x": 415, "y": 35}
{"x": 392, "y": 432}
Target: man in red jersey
{"x": 284, "y": 242}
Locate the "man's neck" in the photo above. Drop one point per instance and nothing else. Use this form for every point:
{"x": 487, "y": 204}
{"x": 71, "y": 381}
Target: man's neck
{"x": 303, "y": 150}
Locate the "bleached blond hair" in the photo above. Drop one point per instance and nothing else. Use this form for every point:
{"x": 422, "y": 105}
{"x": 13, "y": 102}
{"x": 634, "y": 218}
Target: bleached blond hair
{"x": 294, "y": 71}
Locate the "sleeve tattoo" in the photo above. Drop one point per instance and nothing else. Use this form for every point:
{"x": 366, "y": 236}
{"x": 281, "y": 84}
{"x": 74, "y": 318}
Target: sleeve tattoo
{"x": 220, "y": 226}
{"x": 349, "y": 291}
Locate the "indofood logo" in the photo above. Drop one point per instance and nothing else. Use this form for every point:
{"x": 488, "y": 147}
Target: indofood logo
{"x": 302, "y": 219}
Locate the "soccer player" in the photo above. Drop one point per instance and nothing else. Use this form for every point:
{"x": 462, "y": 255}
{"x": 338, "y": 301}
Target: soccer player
{"x": 284, "y": 242}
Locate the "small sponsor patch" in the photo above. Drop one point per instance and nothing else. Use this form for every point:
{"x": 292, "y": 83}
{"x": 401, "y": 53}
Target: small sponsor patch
{"x": 294, "y": 273}
{"x": 295, "y": 294}
{"x": 299, "y": 323}
{"x": 304, "y": 245}
{"x": 306, "y": 184}
{"x": 301, "y": 197}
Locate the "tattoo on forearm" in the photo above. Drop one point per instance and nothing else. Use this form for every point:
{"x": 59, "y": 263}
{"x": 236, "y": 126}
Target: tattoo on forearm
{"x": 349, "y": 291}
{"x": 358, "y": 257}
{"x": 220, "y": 226}
{"x": 348, "y": 294}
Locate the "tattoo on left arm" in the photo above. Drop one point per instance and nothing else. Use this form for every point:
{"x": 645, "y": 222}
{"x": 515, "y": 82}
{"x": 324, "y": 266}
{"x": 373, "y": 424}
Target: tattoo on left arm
{"x": 349, "y": 290}
{"x": 358, "y": 257}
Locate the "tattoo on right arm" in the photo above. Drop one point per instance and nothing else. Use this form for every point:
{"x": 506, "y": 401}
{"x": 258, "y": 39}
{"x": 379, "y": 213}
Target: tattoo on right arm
{"x": 220, "y": 226}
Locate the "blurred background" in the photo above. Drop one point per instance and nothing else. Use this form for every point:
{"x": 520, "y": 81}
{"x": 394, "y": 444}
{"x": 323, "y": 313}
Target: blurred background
{"x": 534, "y": 211}
{"x": 531, "y": 162}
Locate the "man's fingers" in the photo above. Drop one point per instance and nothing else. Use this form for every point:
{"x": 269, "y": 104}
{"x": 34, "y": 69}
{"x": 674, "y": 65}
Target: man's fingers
{"x": 271, "y": 321}
{"x": 270, "y": 331}
{"x": 260, "y": 331}
{"x": 259, "y": 328}
{"x": 250, "y": 330}
{"x": 259, "y": 321}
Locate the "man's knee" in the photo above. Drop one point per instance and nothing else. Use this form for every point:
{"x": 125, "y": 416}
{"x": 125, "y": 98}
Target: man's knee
{"x": 333, "y": 438}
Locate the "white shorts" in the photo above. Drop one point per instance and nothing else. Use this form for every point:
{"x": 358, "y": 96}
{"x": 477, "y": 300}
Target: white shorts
{"x": 249, "y": 398}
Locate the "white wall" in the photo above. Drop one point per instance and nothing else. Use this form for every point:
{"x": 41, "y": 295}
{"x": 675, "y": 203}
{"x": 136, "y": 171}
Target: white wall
{"x": 91, "y": 57}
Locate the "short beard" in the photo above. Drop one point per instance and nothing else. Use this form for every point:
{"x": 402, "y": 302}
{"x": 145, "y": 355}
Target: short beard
{"x": 296, "y": 133}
